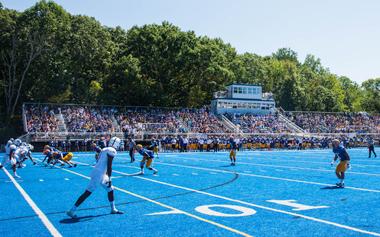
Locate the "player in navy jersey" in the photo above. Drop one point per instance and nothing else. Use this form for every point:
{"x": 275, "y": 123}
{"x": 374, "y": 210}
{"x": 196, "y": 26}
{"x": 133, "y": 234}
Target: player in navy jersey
{"x": 341, "y": 153}
{"x": 233, "y": 149}
{"x": 147, "y": 159}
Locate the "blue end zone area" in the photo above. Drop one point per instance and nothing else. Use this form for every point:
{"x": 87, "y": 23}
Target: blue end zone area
{"x": 268, "y": 193}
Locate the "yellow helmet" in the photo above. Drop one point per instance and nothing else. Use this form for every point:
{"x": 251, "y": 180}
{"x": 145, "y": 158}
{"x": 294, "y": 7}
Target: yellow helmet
{"x": 139, "y": 146}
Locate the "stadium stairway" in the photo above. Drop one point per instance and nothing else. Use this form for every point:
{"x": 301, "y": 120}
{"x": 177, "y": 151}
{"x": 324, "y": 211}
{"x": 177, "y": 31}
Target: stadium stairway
{"x": 61, "y": 123}
{"x": 183, "y": 123}
{"x": 292, "y": 126}
{"x": 115, "y": 124}
{"x": 229, "y": 124}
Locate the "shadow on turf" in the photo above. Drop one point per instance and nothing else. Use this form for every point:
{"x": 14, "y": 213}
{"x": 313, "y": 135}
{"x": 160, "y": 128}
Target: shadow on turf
{"x": 224, "y": 166}
{"x": 332, "y": 187}
{"x": 80, "y": 219}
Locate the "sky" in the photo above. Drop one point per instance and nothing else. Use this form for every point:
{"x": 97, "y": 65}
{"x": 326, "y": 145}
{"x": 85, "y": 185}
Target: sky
{"x": 344, "y": 34}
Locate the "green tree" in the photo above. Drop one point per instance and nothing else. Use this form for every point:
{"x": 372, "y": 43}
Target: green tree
{"x": 49, "y": 74}
{"x": 22, "y": 43}
{"x": 91, "y": 51}
{"x": 176, "y": 63}
{"x": 286, "y": 54}
{"x": 371, "y": 101}
{"x": 352, "y": 94}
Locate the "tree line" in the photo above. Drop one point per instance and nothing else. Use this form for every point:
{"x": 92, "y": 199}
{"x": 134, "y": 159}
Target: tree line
{"x": 50, "y": 55}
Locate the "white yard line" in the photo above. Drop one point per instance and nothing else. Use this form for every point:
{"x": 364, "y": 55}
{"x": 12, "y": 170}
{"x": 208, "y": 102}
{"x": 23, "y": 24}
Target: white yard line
{"x": 267, "y": 177}
{"x": 53, "y": 231}
{"x": 167, "y": 206}
{"x": 282, "y": 166}
{"x": 259, "y": 206}
{"x": 255, "y": 205}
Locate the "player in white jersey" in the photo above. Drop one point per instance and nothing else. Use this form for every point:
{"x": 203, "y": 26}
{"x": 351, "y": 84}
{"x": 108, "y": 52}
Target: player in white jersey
{"x": 101, "y": 175}
{"x": 22, "y": 153}
{"x": 19, "y": 156}
{"x": 27, "y": 148}
{"x": 10, "y": 157}
{"x": 6, "y": 157}
{"x": 17, "y": 142}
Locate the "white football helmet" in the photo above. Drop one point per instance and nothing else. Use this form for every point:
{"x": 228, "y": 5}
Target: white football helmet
{"x": 12, "y": 147}
{"x": 31, "y": 147}
{"x": 18, "y": 142}
{"x": 114, "y": 142}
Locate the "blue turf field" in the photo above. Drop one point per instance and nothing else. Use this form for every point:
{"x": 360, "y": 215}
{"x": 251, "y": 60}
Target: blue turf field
{"x": 199, "y": 194}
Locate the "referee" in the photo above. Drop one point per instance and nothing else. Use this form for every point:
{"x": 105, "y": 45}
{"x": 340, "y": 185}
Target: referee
{"x": 371, "y": 147}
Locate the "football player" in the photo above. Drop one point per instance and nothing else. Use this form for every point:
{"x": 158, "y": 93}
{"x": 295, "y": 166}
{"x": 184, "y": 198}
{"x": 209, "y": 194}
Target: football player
{"x": 341, "y": 153}
{"x": 233, "y": 149}
{"x": 7, "y": 155}
{"x": 97, "y": 150}
{"x": 154, "y": 146}
{"x": 11, "y": 158}
{"x": 27, "y": 152}
{"x": 55, "y": 156}
{"x": 101, "y": 175}
{"x": 147, "y": 159}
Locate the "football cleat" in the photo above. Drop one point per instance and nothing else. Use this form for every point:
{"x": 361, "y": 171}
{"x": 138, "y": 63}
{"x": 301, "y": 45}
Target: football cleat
{"x": 155, "y": 172}
{"x": 71, "y": 214}
{"x": 340, "y": 185}
{"x": 115, "y": 211}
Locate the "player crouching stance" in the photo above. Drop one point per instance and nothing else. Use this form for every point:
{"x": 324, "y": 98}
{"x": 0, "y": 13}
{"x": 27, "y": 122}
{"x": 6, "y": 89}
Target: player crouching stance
{"x": 341, "y": 153}
{"x": 55, "y": 156}
{"x": 101, "y": 174}
{"x": 148, "y": 157}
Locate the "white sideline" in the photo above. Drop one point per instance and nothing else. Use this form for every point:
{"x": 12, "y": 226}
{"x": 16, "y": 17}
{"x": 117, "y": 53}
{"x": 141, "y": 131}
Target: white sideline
{"x": 254, "y": 205}
{"x": 53, "y": 231}
{"x": 167, "y": 206}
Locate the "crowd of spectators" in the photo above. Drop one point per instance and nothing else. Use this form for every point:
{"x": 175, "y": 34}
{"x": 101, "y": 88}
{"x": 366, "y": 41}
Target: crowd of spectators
{"x": 88, "y": 119}
{"x": 140, "y": 120}
{"x": 336, "y": 122}
{"x": 136, "y": 120}
{"x": 40, "y": 119}
{"x": 250, "y": 123}
{"x": 202, "y": 121}
{"x": 205, "y": 131}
